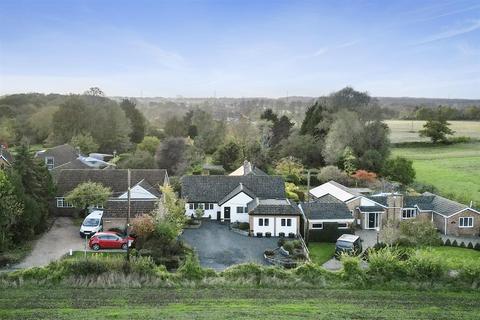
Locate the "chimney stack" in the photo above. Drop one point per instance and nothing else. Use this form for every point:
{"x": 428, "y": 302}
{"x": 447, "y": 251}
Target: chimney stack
{"x": 247, "y": 167}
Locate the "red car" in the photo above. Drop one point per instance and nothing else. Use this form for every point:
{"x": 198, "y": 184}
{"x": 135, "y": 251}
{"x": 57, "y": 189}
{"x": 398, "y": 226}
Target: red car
{"x": 109, "y": 240}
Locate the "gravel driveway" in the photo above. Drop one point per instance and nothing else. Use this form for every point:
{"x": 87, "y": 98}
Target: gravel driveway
{"x": 218, "y": 247}
{"x": 61, "y": 237}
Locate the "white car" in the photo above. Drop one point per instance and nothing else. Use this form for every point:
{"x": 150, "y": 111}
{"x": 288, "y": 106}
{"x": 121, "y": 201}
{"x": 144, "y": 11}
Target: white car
{"x": 92, "y": 224}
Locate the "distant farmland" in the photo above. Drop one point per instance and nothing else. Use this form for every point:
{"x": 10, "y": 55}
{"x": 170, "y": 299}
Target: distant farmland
{"x": 407, "y": 131}
{"x": 453, "y": 169}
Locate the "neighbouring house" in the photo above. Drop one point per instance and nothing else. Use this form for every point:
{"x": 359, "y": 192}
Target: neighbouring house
{"x": 244, "y": 198}
{"x": 247, "y": 169}
{"x": 144, "y": 190}
{"x": 276, "y": 217}
{"x": 326, "y": 218}
{"x": 58, "y": 155}
{"x": 374, "y": 211}
{"x": 6, "y": 158}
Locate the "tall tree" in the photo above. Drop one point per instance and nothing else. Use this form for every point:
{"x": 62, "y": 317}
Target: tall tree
{"x": 175, "y": 154}
{"x": 399, "y": 169}
{"x": 88, "y": 194}
{"x": 228, "y": 156}
{"x": 313, "y": 123}
{"x": 85, "y": 143}
{"x": 269, "y": 115}
{"x": 436, "y": 130}
{"x": 71, "y": 118}
{"x": 281, "y": 130}
{"x": 304, "y": 147}
{"x": 137, "y": 120}
{"x": 11, "y": 207}
{"x": 149, "y": 144}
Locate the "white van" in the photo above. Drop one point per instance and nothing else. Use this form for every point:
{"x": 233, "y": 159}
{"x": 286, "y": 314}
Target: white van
{"x": 93, "y": 223}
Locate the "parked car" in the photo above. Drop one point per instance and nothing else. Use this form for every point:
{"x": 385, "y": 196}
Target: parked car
{"x": 109, "y": 240}
{"x": 92, "y": 224}
{"x": 348, "y": 243}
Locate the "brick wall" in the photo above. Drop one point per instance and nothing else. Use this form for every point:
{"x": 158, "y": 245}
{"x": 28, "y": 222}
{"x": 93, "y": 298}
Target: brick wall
{"x": 453, "y": 224}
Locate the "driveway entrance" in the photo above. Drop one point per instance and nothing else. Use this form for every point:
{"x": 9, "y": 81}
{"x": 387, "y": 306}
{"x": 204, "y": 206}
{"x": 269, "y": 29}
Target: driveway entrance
{"x": 218, "y": 247}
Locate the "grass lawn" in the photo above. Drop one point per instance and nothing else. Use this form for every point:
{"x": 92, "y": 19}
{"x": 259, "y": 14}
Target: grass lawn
{"x": 456, "y": 257}
{"x": 453, "y": 169}
{"x": 234, "y": 303}
{"x": 81, "y": 254}
{"x": 407, "y": 130}
{"x": 321, "y": 252}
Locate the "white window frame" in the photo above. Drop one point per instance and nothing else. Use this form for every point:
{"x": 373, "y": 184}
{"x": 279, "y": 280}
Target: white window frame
{"x": 60, "y": 202}
{"x": 342, "y": 223}
{"x": 52, "y": 165}
{"x": 317, "y": 223}
{"x": 461, "y": 222}
{"x": 409, "y": 213}
{"x": 190, "y": 206}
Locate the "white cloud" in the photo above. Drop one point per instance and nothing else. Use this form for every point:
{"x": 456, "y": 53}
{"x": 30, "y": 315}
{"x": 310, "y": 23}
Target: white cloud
{"x": 450, "y": 33}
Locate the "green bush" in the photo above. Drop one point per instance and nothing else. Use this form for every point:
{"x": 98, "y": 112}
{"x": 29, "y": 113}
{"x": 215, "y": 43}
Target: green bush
{"x": 281, "y": 241}
{"x": 470, "y": 245}
{"x": 386, "y": 263}
{"x": 470, "y": 274}
{"x": 447, "y": 243}
{"x": 477, "y": 246}
{"x": 142, "y": 265}
{"x": 312, "y": 273}
{"x": 424, "y": 265}
{"x": 454, "y": 243}
{"x": 192, "y": 270}
{"x": 462, "y": 245}
{"x": 351, "y": 267}
{"x": 289, "y": 246}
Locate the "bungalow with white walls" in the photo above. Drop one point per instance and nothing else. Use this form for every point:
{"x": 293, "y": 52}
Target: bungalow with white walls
{"x": 144, "y": 191}
{"x": 256, "y": 199}
{"x": 275, "y": 217}
{"x": 375, "y": 211}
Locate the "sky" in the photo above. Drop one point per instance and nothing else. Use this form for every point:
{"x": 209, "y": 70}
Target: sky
{"x": 241, "y": 48}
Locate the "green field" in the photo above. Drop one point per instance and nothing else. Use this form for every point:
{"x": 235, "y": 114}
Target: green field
{"x": 453, "y": 169}
{"x": 407, "y": 131}
{"x": 456, "y": 257}
{"x": 235, "y": 303}
{"x": 321, "y": 252}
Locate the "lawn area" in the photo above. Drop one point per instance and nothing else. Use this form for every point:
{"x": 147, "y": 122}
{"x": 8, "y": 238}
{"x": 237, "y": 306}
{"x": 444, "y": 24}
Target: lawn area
{"x": 453, "y": 169}
{"x": 234, "y": 303}
{"x": 456, "y": 257}
{"x": 321, "y": 252}
{"x": 407, "y": 130}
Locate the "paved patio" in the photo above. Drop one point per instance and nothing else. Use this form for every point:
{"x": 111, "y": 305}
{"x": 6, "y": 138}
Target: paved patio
{"x": 368, "y": 237}
{"x": 218, "y": 247}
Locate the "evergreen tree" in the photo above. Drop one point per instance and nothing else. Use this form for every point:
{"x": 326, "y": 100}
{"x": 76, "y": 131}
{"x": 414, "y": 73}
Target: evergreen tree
{"x": 137, "y": 120}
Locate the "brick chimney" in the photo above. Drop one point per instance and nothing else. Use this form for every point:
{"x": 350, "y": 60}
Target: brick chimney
{"x": 395, "y": 205}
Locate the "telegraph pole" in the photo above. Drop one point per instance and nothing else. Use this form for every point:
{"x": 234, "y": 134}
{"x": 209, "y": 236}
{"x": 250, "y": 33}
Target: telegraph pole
{"x": 128, "y": 215}
{"x": 307, "y": 213}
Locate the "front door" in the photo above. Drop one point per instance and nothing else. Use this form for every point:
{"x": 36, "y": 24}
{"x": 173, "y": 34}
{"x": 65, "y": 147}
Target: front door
{"x": 226, "y": 213}
{"x": 372, "y": 220}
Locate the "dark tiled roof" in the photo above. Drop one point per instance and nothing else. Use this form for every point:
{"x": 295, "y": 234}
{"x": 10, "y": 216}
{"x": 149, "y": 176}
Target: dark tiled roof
{"x": 443, "y": 205}
{"x": 379, "y": 199}
{"x": 5, "y": 154}
{"x": 215, "y": 188}
{"x": 326, "y": 208}
{"x": 275, "y": 207}
{"x": 116, "y": 180}
{"x": 257, "y": 172}
{"x": 148, "y": 187}
{"x": 371, "y": 209}
{"x": 423, "y": 202}
{"x": 61, "y": 154}
{"x": 119, "y": 208}
{"x": 237, "y": 190}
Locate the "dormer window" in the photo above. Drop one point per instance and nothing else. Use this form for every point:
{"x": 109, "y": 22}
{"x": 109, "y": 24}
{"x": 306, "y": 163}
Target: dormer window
{"x": 50, "y": 163}
{"x": 409, "y": 213}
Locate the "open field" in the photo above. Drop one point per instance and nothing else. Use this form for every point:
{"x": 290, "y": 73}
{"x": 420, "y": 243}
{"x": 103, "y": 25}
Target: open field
{"x": 321, "y": 252}
{"x": 453, "y": 169}
{"x": 456, "y": 257}
{"x": 235, "y": 303}
{"x": 407, "y": 130}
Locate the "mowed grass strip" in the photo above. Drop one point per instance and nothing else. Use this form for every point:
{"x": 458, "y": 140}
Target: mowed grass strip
{"x": 453, "y": 169}
{"x": 321, "y": 252}
{"x": 407, "y": 130}
{"x": 454, "y": 256}
{"x": 235, "y": 303}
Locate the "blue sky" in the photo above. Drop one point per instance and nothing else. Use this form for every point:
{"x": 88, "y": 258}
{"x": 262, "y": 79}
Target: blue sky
{"x": 241, "y": 48}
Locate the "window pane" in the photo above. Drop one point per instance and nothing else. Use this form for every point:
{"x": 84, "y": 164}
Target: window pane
{"x": 283, "y": 222}
{"x": 266, "y": 222}
{"x": 289, "y": 222}
{"x": 260, "y": 222}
